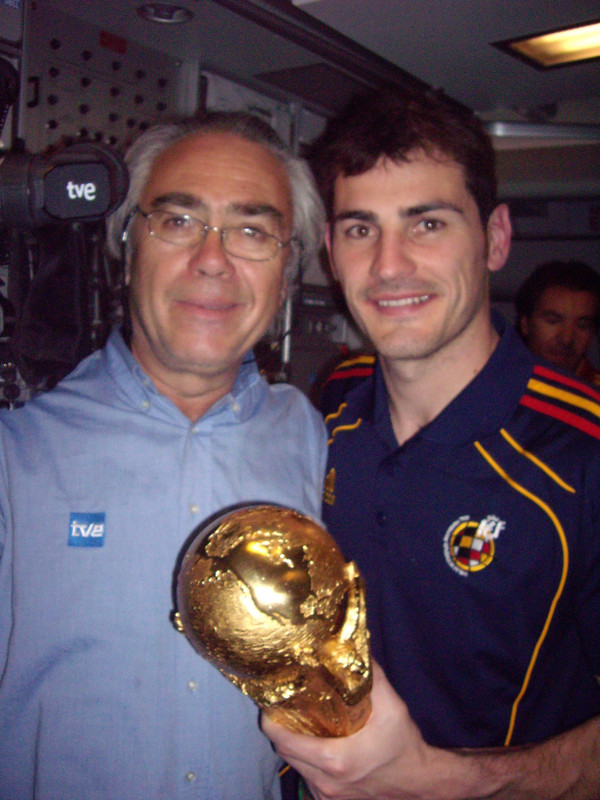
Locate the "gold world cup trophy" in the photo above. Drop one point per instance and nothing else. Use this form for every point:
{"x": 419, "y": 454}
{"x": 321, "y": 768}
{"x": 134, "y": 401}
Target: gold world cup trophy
{"x": 265, "y": 594}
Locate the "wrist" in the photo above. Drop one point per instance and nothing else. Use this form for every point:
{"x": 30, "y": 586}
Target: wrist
{"x": 464, "y": 774}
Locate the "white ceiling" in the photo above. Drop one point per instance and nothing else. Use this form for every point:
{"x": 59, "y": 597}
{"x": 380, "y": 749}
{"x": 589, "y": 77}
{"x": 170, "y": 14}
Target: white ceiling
{"x": 326, "y": 49}
{"x": 449, "y": 45}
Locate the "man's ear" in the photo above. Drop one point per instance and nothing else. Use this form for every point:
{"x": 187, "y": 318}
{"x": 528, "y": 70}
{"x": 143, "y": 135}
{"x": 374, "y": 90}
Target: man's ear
{"x": 499, "y": 231}
{"x": 328, "y": 245}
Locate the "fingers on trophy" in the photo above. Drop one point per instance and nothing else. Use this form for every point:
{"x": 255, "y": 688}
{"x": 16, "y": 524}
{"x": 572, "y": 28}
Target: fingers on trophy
{"x": 265, "y": 594}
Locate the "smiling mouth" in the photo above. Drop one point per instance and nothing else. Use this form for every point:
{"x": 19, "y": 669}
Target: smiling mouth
{"x": 207, "y": 305}
{"x": 403, "y": 301}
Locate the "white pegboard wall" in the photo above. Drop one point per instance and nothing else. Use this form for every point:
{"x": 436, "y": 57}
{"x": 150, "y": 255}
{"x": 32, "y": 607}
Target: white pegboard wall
{"x": 86, "y": 83}
{"x": 224, "y": 94}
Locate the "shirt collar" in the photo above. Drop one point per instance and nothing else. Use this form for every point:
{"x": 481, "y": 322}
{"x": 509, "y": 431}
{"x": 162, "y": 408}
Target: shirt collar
{"x": 237, "y": 405}
{"x": 484, "y": 404}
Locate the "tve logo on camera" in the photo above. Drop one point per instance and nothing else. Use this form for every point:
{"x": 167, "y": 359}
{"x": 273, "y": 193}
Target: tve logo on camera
{"x": 87, "y": 529}
{"x": 81, "y": 191}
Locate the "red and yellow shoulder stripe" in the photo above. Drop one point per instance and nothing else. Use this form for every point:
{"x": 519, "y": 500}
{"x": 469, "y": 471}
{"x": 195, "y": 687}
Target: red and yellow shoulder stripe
{"x": 564, "y": 398}
{"x": 358, "y": 367}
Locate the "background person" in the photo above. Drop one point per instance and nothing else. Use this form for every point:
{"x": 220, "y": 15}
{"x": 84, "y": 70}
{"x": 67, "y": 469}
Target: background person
{"x": 558, "y": 312}
{"x": 105, "y": 477}
{"x": 462, "y": 481}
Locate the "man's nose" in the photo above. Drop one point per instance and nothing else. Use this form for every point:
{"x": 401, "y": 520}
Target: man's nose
{"x": 567, "y": 334}
{"x": 208, "y": 256}
{"x": 393, "y": 256}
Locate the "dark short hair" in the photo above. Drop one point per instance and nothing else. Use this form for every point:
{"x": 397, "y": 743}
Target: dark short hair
{"x": 394, "y": 124}
{"x": 574, "y": 275}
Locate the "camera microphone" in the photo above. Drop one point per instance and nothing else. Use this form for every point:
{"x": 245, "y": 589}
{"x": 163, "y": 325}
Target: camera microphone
{"x": 86, "y": 181}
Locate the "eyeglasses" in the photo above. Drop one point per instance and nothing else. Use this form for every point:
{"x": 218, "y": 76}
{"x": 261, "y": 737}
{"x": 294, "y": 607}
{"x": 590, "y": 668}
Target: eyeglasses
{"x": 246, "y": 241}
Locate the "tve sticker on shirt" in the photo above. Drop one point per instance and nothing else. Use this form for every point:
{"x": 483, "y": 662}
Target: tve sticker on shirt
{"x": 86, "y": 529}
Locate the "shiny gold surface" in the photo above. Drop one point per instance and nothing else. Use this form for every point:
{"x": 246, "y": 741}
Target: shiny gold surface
{"x": 265, "y": 594}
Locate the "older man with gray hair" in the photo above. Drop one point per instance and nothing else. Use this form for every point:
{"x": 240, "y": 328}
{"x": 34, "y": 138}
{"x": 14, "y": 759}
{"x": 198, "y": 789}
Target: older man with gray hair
{"x": 104, "y": 477}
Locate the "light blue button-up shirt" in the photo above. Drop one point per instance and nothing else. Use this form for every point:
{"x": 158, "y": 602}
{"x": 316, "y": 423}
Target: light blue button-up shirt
{"x": 102, "y": 480}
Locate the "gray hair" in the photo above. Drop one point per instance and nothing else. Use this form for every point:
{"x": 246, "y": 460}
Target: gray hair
{"x": 308, "y": 214}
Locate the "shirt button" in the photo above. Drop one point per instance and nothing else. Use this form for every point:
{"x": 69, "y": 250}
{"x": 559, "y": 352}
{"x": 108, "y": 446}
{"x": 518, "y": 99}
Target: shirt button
{"x": 194, "y": 509}
{"x": 145, "y": 405}
{"x": 236, "y": 407}
{"x": 381, "y": 518}
{"x": 192, "y": 685}
{"x": 190, "y": 776}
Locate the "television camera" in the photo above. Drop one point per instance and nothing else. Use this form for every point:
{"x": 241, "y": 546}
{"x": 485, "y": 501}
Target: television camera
{"x": 54, "y": 272}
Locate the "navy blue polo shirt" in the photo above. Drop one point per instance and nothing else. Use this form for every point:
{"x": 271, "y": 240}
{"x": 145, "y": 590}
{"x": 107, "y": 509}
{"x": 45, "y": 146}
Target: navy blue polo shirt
{"x": 479, "y": 543}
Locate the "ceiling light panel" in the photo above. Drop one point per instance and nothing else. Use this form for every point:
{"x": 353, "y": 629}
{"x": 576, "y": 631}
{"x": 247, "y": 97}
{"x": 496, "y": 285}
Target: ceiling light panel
{"x": 557, "y": 48}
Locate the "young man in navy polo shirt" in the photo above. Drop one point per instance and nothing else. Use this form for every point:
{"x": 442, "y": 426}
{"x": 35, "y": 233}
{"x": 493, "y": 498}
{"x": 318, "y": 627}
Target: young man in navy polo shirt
{"x": 463, "y": 479}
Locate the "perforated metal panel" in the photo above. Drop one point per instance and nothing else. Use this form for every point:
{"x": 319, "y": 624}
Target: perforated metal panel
{"x": 86, "y": 83}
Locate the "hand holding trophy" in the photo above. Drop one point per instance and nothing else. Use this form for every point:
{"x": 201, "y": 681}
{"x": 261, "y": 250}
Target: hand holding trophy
{"x": 265, "y": 594}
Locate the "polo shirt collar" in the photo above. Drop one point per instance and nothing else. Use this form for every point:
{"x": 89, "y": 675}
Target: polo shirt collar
{"x": 483, "y": 406}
